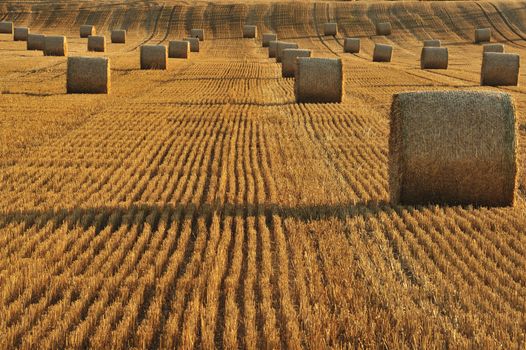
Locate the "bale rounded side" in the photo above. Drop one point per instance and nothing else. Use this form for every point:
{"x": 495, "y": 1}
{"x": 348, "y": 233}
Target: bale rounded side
{"x": 55, "y": 45}
{"x": 36, "y": 42}
{"x": 282, "y": 45}
{"x": 289, "y": 61}
{"x": 118, "y": 36}
{"x": 90, "y": 75}
{"x": 482, "y": 35}
{"x": 383, "y": 28}
{"x": 382, "y": 53}
{"x": 250, "y": 32}
{"x": 272, "y": 48}
{"x": 153, "y": 57}
{"x": 20, "y": 33}
{"x": 318, "y": 80}
{"x": 197, "y": 33}
{"x": 86, "y": 30}
{"x": 178, "y": 49}
{"x": 267, "y": 38}
{"x": 194, "y": 44}
{"x": 330, "y": 29}
{"x": 97, "y": 43}
{"x": 6, "y": 27}
{"x": 434, "y": 58}
{"x": 493, "y": 48}
{"x": 351, "y": 45}
{"x": 432, "y": 43}
{"x": 500, "y": 69}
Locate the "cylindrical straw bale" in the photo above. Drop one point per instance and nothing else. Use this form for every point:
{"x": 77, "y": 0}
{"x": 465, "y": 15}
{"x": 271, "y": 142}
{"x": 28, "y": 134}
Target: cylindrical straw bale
{"x": 55, "y": 45}
{"x": 434, "y": 58}
{"x": 330, "y": 29}
{"x": 351, "y": 45}
{"x": 500, "y": 69}
{"x": 194, "y": 44}
{"x": 6, "y": 27}
{"x": 432, "y": 43}
{"x": 178, "y": 49}
{"x": 198, "y": 33}
{"x": 118, "y": 36}
{"x": 493, "y": 48}
{"x": 21, "y": 33}
{"x": 36, "y": 41}
{"x": 383, "y": 28}
{"x": 97, "y": 43}
{"x": 88, "y": 75}
{"x": 267, "y": 38}
{"x": 289, "y": 61}
{"x": 153, "y": 57}
{"x": 318, "y": 80}
{"x": 482, "y": 35}
{"x": 86, "y": 30}
{"x": 453, "y": 148}
{"x": 382, "y": 53}
{"x": 282, "y": 45}
{"x": 272, "y": 48}
{"x": 250, "y": 31}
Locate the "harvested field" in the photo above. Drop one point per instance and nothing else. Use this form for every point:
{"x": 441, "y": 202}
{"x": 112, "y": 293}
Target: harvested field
{"x": 202, "y": 207}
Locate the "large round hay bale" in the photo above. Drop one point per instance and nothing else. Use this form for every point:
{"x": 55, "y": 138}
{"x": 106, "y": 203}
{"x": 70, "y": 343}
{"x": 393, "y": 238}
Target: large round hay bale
{"x": 97, "y": 43}
{"x": 194, "y": 44}
{"x": 153, "y": 57}
{"x": 383, "y": 28}
{"x": 21, "y": 33}
{"x": 198, "y": 33}
{"x": 118, "y": 36}
{"x": 330, "y": 29}
{"x": 500, "y": 69}
{"x": 432, "y": 43}
{"x": 351, "y": 45}
{"x": 282, "y": 45}
{"x": 319, "y": 80}
{"x": 36, "y": 41}
{"x": 272, "y": 48}
{"x": 267, "y": 38}
{"x": 55, "y": 45}
{"x": 178, "y": 49}
{"x": 493, "y": 48}
{"x": 86, "y": 30}
{"x": 250, "y": 31}
{"x": 382, "y": 53}
{"x": 434, "y": 58}
{"x": 453, "y": 147}
{"x": 482, "y": 35}
{"x": 6, "y": 27}
{"x": 89, "y": 75}
{"x": 289, "y": 61}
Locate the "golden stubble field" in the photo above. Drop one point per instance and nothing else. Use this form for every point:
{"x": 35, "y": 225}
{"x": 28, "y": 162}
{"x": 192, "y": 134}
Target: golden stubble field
{"x": 201, "y": 207}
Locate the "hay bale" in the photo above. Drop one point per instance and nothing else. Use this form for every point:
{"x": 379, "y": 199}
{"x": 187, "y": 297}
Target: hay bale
{"x": 250, "y": 31}
{"x": 482, "y": 35}
{"x": 383, "y": 28}
{"x": 289, "y": 61}
{"x": 282, "y": 45}
{"x": 453, "y": 147}
{"x": 153, "y": 57}
{"x": 493, "y": 48}
{"x": 97, "y": 43}
{"x": 267, "y": 38}
{"x": 500, "y": 69}
{"x": 178, "y": 49}
{"x": 351, "y": 45}
{"x": 36, "y": 41}
{"x": 319, "y": 80}
{"x": 382, "y": 53}
{"x": 194, "y": 44}
{"x": 21, "y": 33}
{"x": 330, "y": 29}
{"x": 432, "y": 43}
{"x": 434, "y": 58}
{"x": 6, "y": 27}
{"x": 118, "y": 36}
{"x": 89, "y": 75}
{"x": 198, "y": 33}
{"x": 272, "y": 48}
{"x": 86, "y": 30}
{"x": 55, "y": 45}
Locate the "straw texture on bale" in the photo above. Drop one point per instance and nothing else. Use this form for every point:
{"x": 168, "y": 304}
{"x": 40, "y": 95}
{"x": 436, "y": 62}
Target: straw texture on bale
{"x": 432, "y": 43}
{"x": 383, "y": 28}
{"x": 382, "y": 53}
{"x": 88, "y": 75}
{"x": 86, "y": 30}
{"x": 153, "y": 57}
{"x": 250, "y": 31}
{"x": 493, "y": 48}
{"x": 330, "y": 29}
{"x": 36, "y": 41}
{"x": 198, "y": 33}
{"x": 434, "y": 58}
{"x": 194, "y": 44}
{"x": 21, "y": 33}
{"x": 282, "y": 45}
{"x": 318, "y": 80}
{"x": 289, "y": 61}
{"x": 500, "y": 69}
{"x": 482, "y": 35}
{"x": 97, "y": 43}
{"x": 453, "y": 148}
{"x": 6, "y": 27}
{"x": 351, "y": 45}
{"x": 55, "y": 45}
{"x": 118, "y": 36}
{"x": 272, "y": 48}
{"x": 178, "y": 49}
{"x": 267, "y": 38}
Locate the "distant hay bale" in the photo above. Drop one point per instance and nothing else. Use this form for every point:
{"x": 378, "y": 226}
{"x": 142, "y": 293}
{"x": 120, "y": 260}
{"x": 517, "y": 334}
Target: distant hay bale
{"x": 482, "y": 35}
{"x": 351, "y": 45}
{"x": 383, "y": 28}
{"x": 198, "y": 33}
{"x": 267, "y": 38}
{"x": 432, "y": 43}
{"x": 434, "y": 58}
{"x": 97, "y": 43}
{"x": 178, "y": 49}
{"x": 55, "y": 45}
{"x": 382, "y": 53}
{"x": 282, "y": 45}
{"x": 500, "y": 69}
{"x": 319, "y": 80}
{"x": 6, "y": 27}
{"x": 289, "y": 61}
{"x": 21, "y": 33}
{"x": 272, "y": 48}
{"x": 330, "y": 29}
{"x": 153, "y": 57}
{"x": 194, "y": 44}
{"x": 250, "y": 31}
{"x": 453, "y": 148}
{"x": 118, "y": 36}
{"x": 493, "y": 48}
{"x": 87, "y": 30}
{"x": 88, "y": 75}
{"x": 36, "y": 42}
